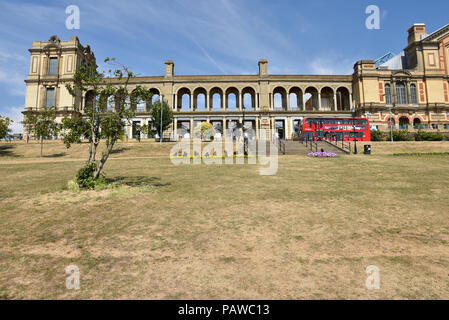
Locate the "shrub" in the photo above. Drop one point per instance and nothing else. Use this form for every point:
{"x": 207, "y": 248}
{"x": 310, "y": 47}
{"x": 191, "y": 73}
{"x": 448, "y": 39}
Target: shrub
{"x": 85, "y": 177}
{"x": 428, "y": 136}
{"x": 400, "y": 135}
{"x": 377, "y": 135}
{"x": 73, "y": 186}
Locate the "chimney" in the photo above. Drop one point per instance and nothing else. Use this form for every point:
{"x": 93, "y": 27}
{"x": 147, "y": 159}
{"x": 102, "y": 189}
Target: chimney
{"x": 169, "y": 69}
{"x": 416, "y": 32}
{"x": 263, "y": 67}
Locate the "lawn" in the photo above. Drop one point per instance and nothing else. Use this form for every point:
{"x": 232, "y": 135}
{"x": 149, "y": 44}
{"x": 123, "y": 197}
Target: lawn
{"x": 224, "y": 231}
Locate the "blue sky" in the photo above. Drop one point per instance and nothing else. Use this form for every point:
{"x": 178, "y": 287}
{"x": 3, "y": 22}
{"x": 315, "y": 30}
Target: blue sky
{"x": 210, "y": 36}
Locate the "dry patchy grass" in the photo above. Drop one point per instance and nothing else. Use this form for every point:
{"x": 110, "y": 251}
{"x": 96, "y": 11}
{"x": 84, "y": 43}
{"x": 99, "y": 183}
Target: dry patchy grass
{"x": 206, "y": 232}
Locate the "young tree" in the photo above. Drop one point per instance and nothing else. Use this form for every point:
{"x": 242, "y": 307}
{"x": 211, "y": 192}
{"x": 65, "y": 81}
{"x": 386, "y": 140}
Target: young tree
{"x": 145, "y": 129}
{"x": 5, "y": 131}
{"x": 204, "y": 130}
{"x": 42, "y": 124}
{"x": 166, "y": 114}
{"x": 106, "y": 114}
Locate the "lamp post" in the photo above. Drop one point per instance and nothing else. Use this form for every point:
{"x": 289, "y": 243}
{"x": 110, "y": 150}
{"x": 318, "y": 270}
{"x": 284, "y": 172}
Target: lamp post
{"x": 355, "y": 132}
{"x": 245, "y": 142}
{"x": 391, "y": 125}
{"x": 389, "y": 121}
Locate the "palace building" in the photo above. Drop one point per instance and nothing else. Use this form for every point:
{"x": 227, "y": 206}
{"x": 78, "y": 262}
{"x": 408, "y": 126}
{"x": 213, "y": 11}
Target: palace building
{"x": 411, "y": 86}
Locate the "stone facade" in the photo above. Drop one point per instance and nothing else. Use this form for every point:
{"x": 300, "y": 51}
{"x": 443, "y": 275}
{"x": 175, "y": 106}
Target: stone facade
{"x": 412, "y": 87}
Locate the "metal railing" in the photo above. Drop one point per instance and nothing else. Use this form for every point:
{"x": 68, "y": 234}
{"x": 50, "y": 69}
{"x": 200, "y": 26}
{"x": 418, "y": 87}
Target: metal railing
{"x": 309, "y": 143}
{"x": 339, "y": 144}
{"x": 279, "y": 143}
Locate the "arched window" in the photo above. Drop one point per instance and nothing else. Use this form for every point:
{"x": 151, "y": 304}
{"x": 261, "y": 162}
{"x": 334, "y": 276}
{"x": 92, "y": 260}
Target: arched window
{"x": 413, "y": 94}
{"x": 401, "y": 93}
{"x": 388, "y": 93}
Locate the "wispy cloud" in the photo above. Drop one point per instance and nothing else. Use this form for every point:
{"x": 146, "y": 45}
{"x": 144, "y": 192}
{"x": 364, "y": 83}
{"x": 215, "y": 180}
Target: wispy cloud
{"x": 15, "y": 114}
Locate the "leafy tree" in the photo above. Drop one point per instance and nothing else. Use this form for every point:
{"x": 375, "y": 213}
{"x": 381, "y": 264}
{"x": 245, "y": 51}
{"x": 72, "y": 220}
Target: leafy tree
{"x": 42, "y": 124}
{"x": 204, "y": 130}
{"x": 167, "y": 116}
{"x": 102, "y": 122}
{"x": 5, "y": 131}
{"x": 75, "y": 129}
{"x": 144, "y": 129}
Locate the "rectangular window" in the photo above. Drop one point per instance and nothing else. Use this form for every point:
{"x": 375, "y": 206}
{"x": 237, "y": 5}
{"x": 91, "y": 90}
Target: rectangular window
{"x": 413, "y": 94}
{"x": 431, "y": 57}
{"x": 388, "y": 94}
{"x": 53, "y": 66}
{"x": 50, "y": 98}
{"x": 401, "y": 95}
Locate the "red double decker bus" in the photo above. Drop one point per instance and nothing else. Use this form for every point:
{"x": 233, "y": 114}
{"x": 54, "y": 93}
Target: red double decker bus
{"x": 346, "y": 129}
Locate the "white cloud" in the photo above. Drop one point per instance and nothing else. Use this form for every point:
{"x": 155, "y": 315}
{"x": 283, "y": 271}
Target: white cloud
{"x": 15, "y": 114}
{"x": 13, "y": 81}
{"x": 331, "y": 66}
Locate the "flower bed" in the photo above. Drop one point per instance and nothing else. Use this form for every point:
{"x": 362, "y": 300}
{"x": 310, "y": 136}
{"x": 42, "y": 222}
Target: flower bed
{"x": 322, "y": 155}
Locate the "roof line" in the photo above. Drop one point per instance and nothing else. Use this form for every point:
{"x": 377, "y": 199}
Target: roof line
{"x": 433, "y": 33}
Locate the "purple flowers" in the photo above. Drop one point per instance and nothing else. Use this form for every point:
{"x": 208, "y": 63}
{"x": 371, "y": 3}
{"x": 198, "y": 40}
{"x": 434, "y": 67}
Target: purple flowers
{"x": 322, "y": 155}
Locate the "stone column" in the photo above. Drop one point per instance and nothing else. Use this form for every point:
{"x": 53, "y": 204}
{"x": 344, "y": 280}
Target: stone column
{"x": 350, "y": 100}
{"x": 191, "y": 127}
{"x": 240, "y": 101}
{"x": 319, "y": 100}
{"x": 303, "y": 101}
{"x": 335, "y": 102}
{"x": 175, "y": 129}
{"x": 191, "y": 102}
{"x": 393, "y": 92}
{"x": 409, "y": 96}
{"x": 271, "y": 101}
{"x": 257, "y": 101}
{"x": 257, "y": 127}
{"x": 288, "y": 102}
{"x": 175, "y": 107}
{"x": 130, "y": 130}
{"x": 224, "y": 127}
{"x": 207, "y": 102}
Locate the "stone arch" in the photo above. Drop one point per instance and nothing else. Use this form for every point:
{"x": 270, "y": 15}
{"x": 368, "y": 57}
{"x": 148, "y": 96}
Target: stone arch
{"x": 183, "y": 99}
{"x": 404, "y": 122}
{"x": 199, "y": 99}
{"x": 343, "y": 99}
{"x": 279, "y": 98}
{"x": 89, "y": 99}
{"x": 417, "y": 123}
{"x": 120, "y": 97}
{"x": 296, "y": 98}
{"x": 393, "y": 120}
{"x": 232, "y": 91}
{"x": 216, "y": 101}
{"x": 311, "y": 98}
{"x": 327, "y": 98}
{"x": 249, "y": 98}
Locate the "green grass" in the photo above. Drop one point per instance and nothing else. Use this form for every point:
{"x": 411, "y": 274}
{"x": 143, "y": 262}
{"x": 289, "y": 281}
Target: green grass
{"x": 225, "y": 232}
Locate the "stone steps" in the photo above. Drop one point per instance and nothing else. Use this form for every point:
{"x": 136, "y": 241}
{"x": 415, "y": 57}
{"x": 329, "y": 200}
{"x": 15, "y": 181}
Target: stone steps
{"x": 297, "y": 148}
